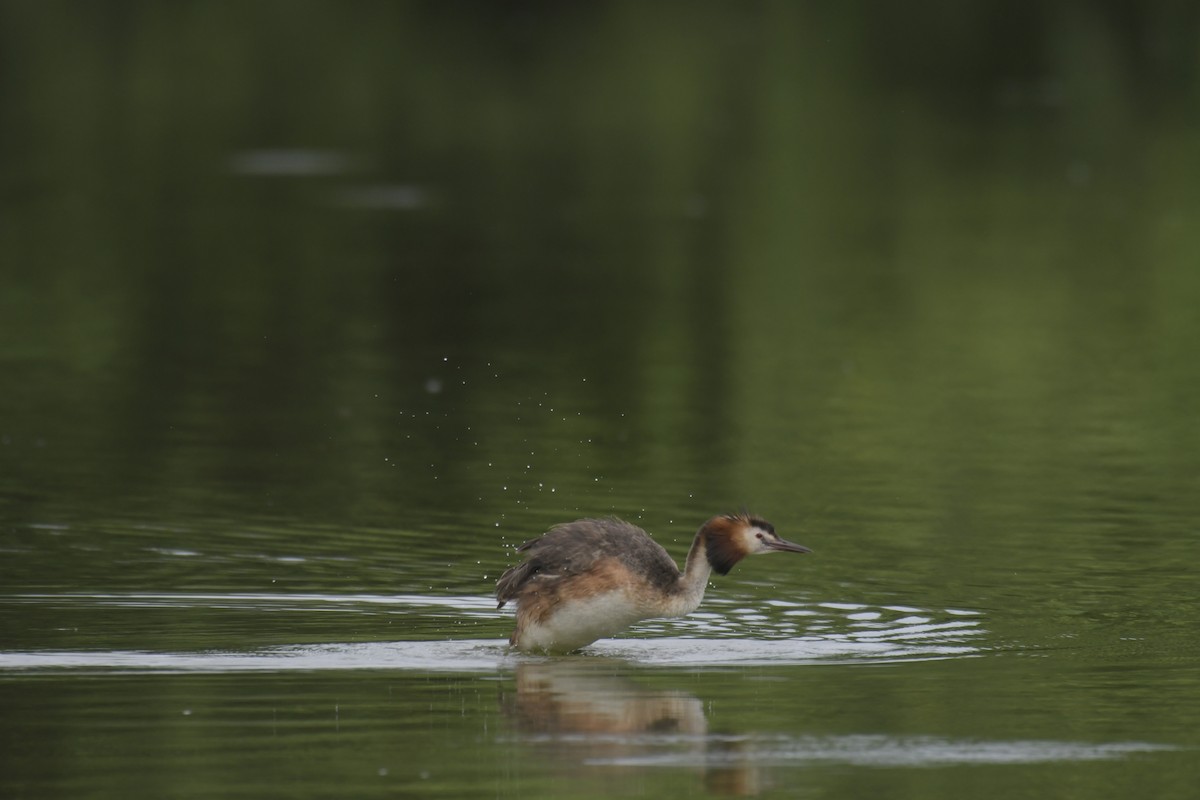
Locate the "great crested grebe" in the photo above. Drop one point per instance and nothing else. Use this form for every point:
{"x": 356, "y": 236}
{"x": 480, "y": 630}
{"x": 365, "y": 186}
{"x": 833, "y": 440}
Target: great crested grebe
{"x": 588, "y": 579}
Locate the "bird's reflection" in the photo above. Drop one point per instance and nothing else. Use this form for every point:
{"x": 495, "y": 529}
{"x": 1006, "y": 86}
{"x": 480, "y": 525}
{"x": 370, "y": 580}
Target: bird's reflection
{"x": 588, "y": 712}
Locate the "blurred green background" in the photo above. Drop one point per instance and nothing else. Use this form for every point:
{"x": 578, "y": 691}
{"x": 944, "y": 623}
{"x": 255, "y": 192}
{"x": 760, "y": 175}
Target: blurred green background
{"x": 305, "y": 306}
{"x": 921, "y": 276}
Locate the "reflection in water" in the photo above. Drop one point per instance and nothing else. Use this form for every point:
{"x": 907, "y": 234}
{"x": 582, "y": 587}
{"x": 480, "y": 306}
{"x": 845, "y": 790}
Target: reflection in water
{"x": 291, "y": 163}
{"x": 387, "y": 197}
{"x": 585, "y": 711}
{"x": 575, "y": 696}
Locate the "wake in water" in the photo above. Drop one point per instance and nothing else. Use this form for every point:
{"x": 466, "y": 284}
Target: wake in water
{"x": 726, "y": 633}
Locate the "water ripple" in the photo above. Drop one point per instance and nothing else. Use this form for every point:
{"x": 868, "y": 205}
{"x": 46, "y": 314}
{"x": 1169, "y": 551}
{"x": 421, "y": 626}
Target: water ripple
{"x": 728, "y": 632}
{"x": 875, "y": 750}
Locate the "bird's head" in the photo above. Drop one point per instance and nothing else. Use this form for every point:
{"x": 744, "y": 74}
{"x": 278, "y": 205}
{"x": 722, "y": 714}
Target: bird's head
{"x": 731, "y": 537}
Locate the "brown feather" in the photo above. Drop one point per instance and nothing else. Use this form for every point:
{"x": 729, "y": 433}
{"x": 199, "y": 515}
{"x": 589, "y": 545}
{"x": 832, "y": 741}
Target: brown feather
{"x": 576, "y": 547}
{"x": 722, "y": 546}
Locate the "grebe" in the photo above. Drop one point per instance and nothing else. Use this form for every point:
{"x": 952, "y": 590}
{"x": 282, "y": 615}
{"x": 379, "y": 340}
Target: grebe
{"x": 588, "y": 579}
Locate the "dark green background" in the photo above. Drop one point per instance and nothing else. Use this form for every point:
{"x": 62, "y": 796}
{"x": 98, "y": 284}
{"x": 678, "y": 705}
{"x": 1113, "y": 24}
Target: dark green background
{"x": 341, "y": 299}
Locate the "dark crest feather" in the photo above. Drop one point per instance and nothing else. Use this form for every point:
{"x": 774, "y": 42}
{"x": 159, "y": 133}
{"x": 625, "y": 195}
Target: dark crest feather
{"x": 721, "y": 553}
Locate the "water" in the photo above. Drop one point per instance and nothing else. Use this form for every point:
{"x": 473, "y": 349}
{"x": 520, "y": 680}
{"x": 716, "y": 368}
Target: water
{"x": 310, "y": 319}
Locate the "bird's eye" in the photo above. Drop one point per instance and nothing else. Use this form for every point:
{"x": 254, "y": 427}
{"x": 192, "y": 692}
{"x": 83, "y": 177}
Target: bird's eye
{"x": 759, "y": 535}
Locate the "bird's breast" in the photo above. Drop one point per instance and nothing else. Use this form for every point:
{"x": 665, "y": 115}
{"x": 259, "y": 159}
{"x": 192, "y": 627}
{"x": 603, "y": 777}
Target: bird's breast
{"x": 575, "y": 623}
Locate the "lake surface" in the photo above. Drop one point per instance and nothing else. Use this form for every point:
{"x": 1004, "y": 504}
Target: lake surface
{"x": 311, "y": 314}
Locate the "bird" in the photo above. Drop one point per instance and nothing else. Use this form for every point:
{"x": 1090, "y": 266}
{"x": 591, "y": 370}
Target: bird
{"x": 592, "y": 578}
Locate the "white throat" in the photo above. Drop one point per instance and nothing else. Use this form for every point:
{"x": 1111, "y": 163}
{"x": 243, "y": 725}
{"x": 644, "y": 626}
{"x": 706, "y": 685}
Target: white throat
{"x": 692, "y": 582}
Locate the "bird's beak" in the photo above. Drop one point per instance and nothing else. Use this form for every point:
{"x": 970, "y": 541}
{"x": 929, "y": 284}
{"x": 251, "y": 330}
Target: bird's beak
{"x": 785, "y": 546}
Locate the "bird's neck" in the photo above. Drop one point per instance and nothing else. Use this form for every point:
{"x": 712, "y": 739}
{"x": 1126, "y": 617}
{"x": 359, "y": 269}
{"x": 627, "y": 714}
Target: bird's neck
{"x": 689, "y": 591}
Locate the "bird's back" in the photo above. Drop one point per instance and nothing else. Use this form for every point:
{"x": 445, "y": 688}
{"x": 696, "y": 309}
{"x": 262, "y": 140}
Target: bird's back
{"x": 574, "y": 548}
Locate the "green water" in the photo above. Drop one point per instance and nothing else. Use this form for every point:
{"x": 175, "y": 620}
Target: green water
{"x": 310, "y": 313}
